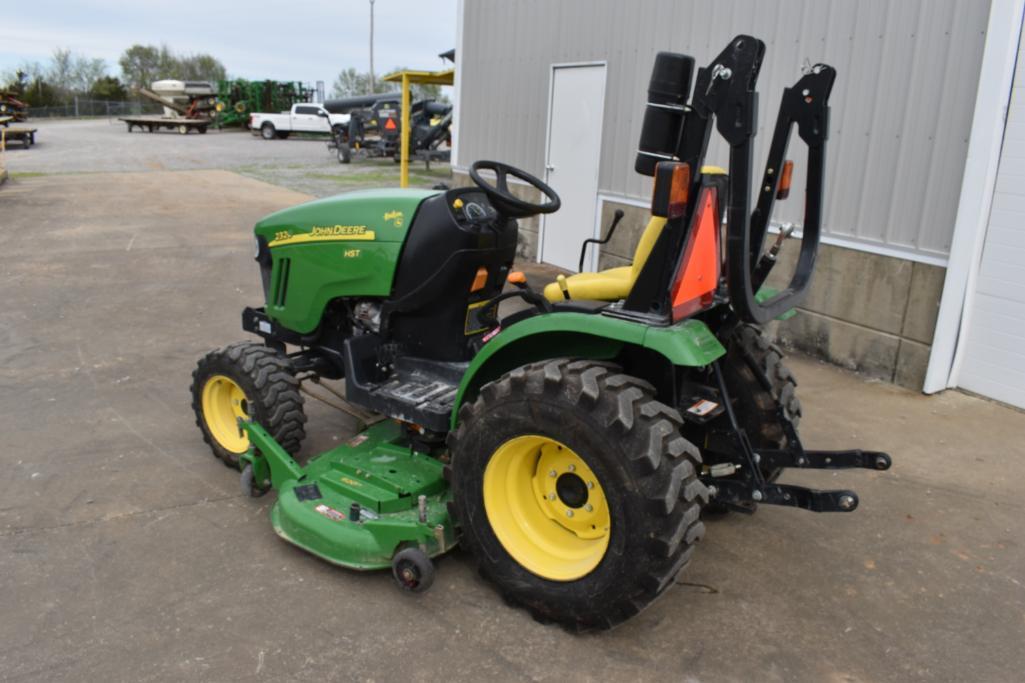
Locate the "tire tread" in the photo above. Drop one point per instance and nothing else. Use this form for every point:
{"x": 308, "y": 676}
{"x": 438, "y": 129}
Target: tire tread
{"x": 278, "y": 401}
{"x": 664, "y": 467}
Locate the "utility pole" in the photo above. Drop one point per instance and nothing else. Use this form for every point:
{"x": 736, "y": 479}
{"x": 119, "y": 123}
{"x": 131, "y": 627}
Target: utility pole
{"x": 373, "y": 88}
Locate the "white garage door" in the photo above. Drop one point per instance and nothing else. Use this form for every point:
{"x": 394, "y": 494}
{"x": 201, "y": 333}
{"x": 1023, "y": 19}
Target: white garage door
{"x": 993, "y": 359}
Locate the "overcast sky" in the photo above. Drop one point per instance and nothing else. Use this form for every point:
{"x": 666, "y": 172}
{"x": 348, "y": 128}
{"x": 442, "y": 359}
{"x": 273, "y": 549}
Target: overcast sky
{"x": 296, "y": 40}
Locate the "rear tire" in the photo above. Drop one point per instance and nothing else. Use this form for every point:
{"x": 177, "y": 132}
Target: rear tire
{"x": 249, "y": 381}
{"x": 646, "y": 485}
{"x": 267, "y": 131}
{"x": 759, "y": 383}
{"x": 752, "y": 358}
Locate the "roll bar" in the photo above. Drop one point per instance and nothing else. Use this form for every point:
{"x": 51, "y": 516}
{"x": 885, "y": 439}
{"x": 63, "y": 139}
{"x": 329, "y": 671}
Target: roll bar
{"x": 724, "y": 94}
{"x": 806, "y": 104}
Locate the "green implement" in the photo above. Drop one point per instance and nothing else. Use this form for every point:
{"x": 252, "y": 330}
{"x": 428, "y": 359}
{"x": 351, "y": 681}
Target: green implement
{"x": 357, "y": 505}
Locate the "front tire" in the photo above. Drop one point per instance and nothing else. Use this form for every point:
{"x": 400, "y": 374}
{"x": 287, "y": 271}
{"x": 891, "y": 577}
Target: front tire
{"x": 247, "y": 381}
{"x": 598, "y": 541}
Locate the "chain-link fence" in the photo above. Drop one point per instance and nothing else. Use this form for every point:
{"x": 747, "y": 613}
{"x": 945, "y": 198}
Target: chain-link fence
{"x": 80, "y": 108}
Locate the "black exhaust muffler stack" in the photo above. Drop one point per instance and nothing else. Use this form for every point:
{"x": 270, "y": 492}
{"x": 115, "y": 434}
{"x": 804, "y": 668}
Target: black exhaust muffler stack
{"x": 668, "y": 92}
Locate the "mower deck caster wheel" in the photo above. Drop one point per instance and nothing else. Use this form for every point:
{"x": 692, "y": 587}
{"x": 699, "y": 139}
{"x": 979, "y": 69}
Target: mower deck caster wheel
{"x": 249, "y": 487}
{"x": 413, "y": 570}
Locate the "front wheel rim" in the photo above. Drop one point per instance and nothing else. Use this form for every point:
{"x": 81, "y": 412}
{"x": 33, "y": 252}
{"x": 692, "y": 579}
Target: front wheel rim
{"x": 546, "y": 507}
{"x": 224, "y": 403}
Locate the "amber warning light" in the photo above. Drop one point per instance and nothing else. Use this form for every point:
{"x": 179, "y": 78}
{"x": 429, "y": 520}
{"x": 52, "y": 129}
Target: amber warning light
{"x": 784, "y": 180}
{"x": 672, "y": 187}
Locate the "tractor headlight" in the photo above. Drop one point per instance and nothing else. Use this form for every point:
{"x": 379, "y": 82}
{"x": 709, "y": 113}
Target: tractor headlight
{"x": 256, "y": 247}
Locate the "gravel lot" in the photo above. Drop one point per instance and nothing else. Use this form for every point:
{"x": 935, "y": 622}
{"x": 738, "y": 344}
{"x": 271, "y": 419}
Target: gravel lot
{"x": 104, "y": 145}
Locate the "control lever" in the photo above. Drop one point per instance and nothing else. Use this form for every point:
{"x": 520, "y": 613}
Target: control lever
{"x": 768, "y": 259}
{"x": 785, "y": 231}
{"x": 616, "y": 217}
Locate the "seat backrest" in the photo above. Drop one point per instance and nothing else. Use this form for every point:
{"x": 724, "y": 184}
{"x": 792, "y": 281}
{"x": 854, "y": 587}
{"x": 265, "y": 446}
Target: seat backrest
{"x": 654, "y": 229}
{"x": 645, "y": 245}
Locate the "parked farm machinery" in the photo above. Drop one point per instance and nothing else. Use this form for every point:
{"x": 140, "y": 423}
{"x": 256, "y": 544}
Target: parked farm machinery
{"x": 376, "y": 131}
{"x": 239, "y": 98}
{"x": 11, "y": 106}
{"x": 188, "y": 105}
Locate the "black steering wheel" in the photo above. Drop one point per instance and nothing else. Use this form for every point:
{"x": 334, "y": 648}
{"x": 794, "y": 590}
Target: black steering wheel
{"x": 504, "y": 200}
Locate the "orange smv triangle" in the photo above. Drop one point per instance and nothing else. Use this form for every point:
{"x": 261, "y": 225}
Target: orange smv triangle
{"x": 389, "y": 124}
{"x": 696, "y": 284}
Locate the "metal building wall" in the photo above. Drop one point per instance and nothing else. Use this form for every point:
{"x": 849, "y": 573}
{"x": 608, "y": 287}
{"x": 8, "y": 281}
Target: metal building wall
{"x": 902, "y": 105}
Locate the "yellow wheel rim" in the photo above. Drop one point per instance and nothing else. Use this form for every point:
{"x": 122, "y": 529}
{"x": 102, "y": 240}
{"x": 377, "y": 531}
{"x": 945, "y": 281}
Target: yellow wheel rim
{"x": 224, "y": 403}
{"x": 547, "y": 507}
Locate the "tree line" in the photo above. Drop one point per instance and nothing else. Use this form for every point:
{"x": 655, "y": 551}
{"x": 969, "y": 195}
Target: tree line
{"x": 351, "y": 83}
{"x": 68, "y": 75}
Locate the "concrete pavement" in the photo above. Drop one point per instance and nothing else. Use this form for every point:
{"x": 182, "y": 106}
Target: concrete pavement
{"x": 128, "y": 554}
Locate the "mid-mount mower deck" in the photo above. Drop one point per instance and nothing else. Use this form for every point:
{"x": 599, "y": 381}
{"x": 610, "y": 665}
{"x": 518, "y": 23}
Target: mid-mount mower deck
{"x": 572, "y": 445}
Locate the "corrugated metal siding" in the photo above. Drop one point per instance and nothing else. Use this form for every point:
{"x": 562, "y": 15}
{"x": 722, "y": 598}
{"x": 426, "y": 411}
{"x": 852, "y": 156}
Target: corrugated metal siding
{"x": 902, "y": 106}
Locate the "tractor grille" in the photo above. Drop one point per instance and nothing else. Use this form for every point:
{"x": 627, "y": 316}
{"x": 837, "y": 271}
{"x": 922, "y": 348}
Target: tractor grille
{"x": 281, "y": 284}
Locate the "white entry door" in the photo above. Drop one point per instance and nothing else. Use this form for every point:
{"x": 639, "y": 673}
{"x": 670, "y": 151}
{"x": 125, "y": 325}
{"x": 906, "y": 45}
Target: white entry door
{"x": 993, "y": 358}
{"x": 574, "y": 148}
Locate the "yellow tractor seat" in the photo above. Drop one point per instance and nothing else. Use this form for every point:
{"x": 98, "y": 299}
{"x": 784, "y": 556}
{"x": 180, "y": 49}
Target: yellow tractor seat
{"x": 614, "y": 284}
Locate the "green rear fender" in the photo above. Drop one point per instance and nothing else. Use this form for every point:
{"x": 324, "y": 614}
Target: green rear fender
{"x": 581, "y": 335}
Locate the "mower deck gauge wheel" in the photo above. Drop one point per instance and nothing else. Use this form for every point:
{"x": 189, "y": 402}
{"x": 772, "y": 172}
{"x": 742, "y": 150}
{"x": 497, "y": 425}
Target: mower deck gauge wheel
{"x": 413, "y": 570}
{"x": 249, "y": 487}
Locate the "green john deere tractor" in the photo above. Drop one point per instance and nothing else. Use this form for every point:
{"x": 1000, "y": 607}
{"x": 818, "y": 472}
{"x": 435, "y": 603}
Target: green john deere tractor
{"x": 569, "y": 439}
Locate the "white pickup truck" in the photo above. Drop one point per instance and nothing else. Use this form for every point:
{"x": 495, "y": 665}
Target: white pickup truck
{"x": 303, "y": 118}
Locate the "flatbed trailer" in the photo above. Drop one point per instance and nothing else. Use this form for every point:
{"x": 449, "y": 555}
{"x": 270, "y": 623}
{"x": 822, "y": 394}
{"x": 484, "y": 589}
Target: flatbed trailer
{"x": 26, "y": 135}
{"x": 153, "y": 123}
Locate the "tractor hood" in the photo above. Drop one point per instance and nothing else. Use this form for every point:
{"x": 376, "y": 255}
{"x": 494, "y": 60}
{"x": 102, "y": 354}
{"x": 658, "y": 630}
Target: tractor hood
{"x": 367, "y": 215}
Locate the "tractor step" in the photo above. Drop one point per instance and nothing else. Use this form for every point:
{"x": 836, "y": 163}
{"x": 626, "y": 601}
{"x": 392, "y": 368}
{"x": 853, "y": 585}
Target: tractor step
{"x": 420, "y": 399}
{"x": 422, "y": 393}
{"x": 412, "y": 389}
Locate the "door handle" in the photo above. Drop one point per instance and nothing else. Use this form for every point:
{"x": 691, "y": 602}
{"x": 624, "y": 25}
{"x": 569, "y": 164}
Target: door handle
{"x": 549, "y": 168}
